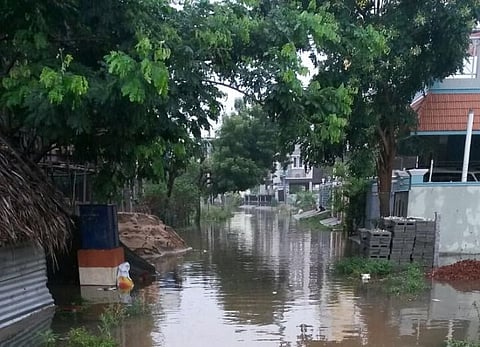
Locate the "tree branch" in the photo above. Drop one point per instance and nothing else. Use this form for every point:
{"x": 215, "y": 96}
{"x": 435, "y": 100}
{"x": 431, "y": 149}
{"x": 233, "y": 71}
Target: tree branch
{"x": 383, "y": 136}
{"x": 231, "y": 87}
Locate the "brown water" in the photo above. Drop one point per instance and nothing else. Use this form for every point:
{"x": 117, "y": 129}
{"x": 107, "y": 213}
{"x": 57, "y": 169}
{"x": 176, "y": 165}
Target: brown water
{"x": 263, "y": 281}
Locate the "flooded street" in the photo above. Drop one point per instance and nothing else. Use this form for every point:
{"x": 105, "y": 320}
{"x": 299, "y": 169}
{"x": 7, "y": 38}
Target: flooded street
{"x": 262, "y": 280}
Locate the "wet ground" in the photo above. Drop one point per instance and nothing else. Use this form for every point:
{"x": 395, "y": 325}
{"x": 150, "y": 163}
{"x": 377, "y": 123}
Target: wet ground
{"x": 262, "y": 280}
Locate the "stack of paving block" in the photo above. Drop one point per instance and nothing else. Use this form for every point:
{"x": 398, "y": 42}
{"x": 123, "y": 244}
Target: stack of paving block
{"x": 424, "y": 247}
{"x": 403, "y": 238}
{"x": 377, "y": 244}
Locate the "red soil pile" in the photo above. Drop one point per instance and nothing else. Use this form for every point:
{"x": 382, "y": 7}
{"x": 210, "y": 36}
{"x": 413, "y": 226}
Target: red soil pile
{"x": 465, "y": 270}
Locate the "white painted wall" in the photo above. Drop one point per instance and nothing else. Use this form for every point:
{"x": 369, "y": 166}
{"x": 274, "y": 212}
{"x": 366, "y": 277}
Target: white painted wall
{"x": 459, "y": 208}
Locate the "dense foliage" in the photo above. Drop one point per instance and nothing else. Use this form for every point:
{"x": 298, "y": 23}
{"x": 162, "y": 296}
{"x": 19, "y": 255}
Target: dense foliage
{"x": 128, "y": 86}
{"x": 119, "y": 85}
{"x": 424, "y": 41}
{"x": 244, "y": 151}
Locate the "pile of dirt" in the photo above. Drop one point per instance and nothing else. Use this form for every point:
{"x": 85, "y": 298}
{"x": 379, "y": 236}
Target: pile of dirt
{"x": 465, "y": 270}
{"x": 147, "y": 235}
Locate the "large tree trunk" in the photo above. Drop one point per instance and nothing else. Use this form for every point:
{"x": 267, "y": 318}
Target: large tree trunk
{"x": 384, "y": 169}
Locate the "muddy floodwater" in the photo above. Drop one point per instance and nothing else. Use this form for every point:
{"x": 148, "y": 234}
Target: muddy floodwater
{"x": 263, "y": 280}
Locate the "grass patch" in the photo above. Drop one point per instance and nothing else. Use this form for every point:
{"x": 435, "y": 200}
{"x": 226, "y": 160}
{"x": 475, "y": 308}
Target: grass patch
{"x": 408, "y": 281}
{"x": 48, "y": 338}
{"x": 137, "y": 308}
{"x": 77, "y": 337}
{"x": 80, "y": 337}
{"x": 113, "y": 315}
{"x": 314, "y": 223}
{"x": 462, "y": 343}
{"x": 355, "y": 266}
{"x": 216, "y": 214}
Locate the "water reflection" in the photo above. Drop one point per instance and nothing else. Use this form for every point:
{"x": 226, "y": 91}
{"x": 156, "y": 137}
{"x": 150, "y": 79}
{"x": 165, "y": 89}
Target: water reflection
{"x": 263, "y": 280}
{"x": 259, "y": 279}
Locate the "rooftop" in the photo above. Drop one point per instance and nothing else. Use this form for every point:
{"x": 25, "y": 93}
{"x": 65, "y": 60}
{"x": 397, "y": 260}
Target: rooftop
{"x": 447, "y": 112}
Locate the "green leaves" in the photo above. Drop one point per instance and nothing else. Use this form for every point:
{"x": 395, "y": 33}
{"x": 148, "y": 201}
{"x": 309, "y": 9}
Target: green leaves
{"x": 120, "y": 64}
{"x": 60, "y": 85}
{"x": 135, "y": 76}
{"x": 244, "y": 151}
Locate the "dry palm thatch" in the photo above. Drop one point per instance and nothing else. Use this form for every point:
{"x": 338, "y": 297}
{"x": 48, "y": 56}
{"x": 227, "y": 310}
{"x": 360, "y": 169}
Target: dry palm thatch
{"x": 30, "y": 208}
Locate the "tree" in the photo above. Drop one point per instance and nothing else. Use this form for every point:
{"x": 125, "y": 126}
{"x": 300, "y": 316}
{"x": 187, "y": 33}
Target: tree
{"x": 117, "y": 84}
{"x": 67, "y": 83}
{"x": 244, "y": 151}
{"x": 425, "y": 41}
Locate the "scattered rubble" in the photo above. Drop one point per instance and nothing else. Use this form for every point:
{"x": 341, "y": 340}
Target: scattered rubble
{"x": 465, "y": 270}
{"x": 147, "y": 235}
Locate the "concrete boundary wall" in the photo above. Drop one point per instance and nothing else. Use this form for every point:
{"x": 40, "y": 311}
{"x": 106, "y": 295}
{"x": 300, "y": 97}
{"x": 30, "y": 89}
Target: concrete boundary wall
{"x": 458, "y": 206}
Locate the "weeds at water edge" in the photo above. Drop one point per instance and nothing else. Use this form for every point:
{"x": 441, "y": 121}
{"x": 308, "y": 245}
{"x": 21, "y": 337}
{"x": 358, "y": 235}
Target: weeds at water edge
{"x": 355, "y": 266}
{"x": 314, "y": 223}
{"x": 113, "y": 316}
{"x": 409, "y": 280}
{"x": 76, "y": 337}
{"x": 48, "y": 338}
{"x": 80, "y": 337}
{"x": 137, "y": 308}
{"x": 216, "y": 214}
{"x": 462, "y": 343}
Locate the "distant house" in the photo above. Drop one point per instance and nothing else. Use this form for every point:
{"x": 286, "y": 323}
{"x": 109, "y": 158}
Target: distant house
{"x": 296, "y": 176}
{"x": 32, "y": 224}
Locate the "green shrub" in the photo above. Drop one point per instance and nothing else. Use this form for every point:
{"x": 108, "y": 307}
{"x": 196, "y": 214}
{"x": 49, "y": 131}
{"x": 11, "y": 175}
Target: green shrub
{"x": 80, "y": 337}
{"x": 314, "y": 222}
{"x": 306, "y": 200}
{"x": 409, "y": 281}
{"x": 137, "y": 308}
{"x": 48, "y": 338}
{"x": 113, "y": 315}
{"x": 355, "y": 266}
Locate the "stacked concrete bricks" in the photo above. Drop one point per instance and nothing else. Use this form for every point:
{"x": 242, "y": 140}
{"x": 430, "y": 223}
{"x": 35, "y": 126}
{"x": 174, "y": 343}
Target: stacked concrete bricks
{"x": 403, "y": 238}
{"x": 377, "y": 244}
{"x": 424, "y": 247}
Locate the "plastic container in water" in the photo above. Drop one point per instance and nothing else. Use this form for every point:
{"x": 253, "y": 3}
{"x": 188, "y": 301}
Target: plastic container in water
{"x": 99, "y": 226}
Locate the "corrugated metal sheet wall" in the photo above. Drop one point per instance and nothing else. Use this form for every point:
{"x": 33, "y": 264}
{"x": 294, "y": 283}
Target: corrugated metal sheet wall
{"x": 23, "y": 278}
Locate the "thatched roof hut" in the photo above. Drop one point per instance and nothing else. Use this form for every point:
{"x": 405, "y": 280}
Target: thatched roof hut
{"x": 30, "y": 208}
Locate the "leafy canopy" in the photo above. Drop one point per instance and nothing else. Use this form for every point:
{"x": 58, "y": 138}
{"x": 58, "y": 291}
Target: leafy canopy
{"x": 244, "y": 150}
{"x": 116, "y": 84}
{"x": 415, "y": 43}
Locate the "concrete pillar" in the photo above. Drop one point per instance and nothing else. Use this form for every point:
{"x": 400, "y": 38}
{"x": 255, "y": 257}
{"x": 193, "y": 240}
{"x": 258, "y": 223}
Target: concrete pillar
{"x": 98, "y": 267}
{"x": 416, "y": 175}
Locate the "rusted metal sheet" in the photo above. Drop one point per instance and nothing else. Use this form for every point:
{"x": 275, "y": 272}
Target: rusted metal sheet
{"x": 23, "y": 281}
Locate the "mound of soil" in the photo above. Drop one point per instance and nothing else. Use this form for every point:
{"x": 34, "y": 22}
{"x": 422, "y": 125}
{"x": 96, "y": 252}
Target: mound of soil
{"x": 146, "y": 234}
{"x": 465, "y": 270}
